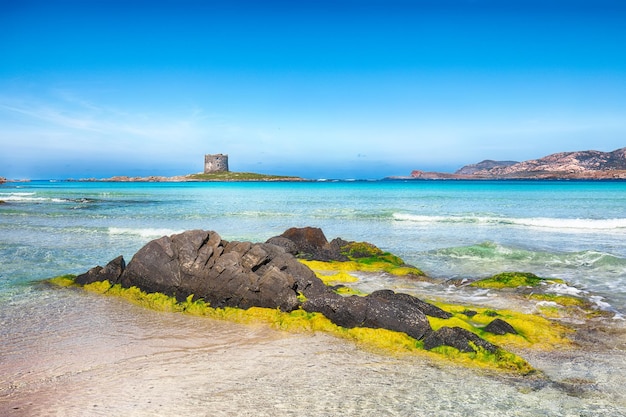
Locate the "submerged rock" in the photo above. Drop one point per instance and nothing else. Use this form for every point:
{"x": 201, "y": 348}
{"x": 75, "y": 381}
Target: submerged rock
{"x": 499, "y": 327}
{"x": 245, "y": 275}
{"x": 457, "y": 337}
{"x": 428, "y": 309}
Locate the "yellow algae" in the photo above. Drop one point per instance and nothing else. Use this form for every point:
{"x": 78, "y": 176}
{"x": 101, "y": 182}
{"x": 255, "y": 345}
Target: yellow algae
{"x": 533, "y": 331}
{"x": 330, "y": 266}
{"x": 564, "y": 300}
{"x": 344, "y": 290}
{"x": 539, "y": 332}
{"x": 63, "y": 280}
{"x": 454, "y": 321}
{"x": 99, "y": 287}
{"x": 404, "y": 270}
{"x": 340, "y": 277}
{"x": 364, "y": 265}
{"x": 550, "y": 309}
{"x": 501, "y": 359}
{"x": 561, "y": 306}
{"x": 385, "y": 340}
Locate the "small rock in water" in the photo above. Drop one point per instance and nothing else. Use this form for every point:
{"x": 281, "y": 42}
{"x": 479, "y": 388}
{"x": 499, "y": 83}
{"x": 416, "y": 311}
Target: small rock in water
{"x": 500, "y": 327}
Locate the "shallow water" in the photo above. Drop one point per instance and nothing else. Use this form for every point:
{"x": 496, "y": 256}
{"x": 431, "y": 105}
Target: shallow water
{"x": 101, "y": 356}
{"x": 65, "y": 352}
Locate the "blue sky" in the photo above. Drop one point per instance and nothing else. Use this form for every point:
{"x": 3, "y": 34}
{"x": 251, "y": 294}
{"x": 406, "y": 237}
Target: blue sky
{"x": 319, "y": 89}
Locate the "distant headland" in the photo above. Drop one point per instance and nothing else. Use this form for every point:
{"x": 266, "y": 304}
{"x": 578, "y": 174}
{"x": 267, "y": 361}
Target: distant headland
{"x": 588, "y": 165}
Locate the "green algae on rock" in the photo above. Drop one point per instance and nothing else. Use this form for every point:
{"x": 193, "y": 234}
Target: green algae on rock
{"x": 514, "y": 280}
{"x": 368, "y": 256}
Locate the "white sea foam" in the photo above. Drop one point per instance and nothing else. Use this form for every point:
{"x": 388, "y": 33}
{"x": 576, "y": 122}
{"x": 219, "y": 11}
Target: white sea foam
{"x": 599, "y": 301}
{"x": 537, "y": 222}
{"x": 15, "y": 194}
{"x": 148, "y": 233}
{"x": 29, "y": 198}
{"x": 564, "y": 289}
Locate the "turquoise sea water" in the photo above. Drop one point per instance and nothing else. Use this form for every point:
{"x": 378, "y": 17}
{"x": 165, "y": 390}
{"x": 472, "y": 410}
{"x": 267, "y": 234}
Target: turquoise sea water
{"x": 450, "y": 229}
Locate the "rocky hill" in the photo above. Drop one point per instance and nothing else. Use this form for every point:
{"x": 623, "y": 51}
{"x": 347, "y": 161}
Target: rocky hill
{"x": 484, "y": 165}
{"x": 563, "y": 165}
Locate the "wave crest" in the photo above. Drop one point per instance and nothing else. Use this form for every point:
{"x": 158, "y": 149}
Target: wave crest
{"x": 536, "y": 222}
{"x": 148, "y": 233}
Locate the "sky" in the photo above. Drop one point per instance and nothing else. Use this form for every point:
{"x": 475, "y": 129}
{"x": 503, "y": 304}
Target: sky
{"x": 320, "y": 89}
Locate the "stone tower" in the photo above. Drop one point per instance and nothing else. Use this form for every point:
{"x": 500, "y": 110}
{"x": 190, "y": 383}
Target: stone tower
{"x": 215, "y": 163}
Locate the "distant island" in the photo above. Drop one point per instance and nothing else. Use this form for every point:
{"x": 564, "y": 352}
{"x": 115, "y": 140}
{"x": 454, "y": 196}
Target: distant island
{"x": 215, "y": 169}
{"x": 201, "y": 177}
{"x": 594, "y": 165}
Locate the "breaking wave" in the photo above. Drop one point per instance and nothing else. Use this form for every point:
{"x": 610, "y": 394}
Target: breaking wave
{"x": 490, "y": 251}
{"x": 535, "y": 222}
{"x": 33, "y": 198}
{"x": 147, "y": 233}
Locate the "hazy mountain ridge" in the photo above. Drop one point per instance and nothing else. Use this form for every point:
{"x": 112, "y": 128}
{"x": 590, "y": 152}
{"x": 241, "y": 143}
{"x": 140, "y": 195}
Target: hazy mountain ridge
{"x": 563, "y": 165}
{"x": 487, "y": 164}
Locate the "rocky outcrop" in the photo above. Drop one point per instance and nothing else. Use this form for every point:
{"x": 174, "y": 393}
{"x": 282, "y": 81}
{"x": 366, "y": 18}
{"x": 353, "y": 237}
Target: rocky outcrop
{"x": 484, "y": 165}
{"x": 563, "y": 165}
{"x": 592, "y": 164}
{"x": 245, "y": 274}
{"x": 224, "y": 274}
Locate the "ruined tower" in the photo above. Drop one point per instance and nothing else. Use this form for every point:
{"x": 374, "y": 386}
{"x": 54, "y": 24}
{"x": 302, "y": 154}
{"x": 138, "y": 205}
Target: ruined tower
{"x": 215, "y": 163}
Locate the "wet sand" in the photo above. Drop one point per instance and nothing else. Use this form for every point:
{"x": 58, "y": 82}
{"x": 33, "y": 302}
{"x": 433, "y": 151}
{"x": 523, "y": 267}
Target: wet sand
{"x": 80, "y": 354}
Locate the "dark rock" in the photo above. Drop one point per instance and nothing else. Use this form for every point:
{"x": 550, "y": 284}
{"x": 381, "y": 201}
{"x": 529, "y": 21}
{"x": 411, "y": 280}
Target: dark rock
{"x": 307, "y": 239}
{"x": 245, "y": 274}
{"x": 336, "y": 244}
{"x": 375, "y": 312}
{"x": 311, "y": 243}
{"x": 343, "y": 311}
{"x": 396, "y": 314}
{"x": 225, "y": 274}
{"x": 499, "y": 327}
{"x": 457, "y": 337}
{"x": 283, "y": 242}
{"x": 428, "y": 309}
{"x": 111, "y": 272}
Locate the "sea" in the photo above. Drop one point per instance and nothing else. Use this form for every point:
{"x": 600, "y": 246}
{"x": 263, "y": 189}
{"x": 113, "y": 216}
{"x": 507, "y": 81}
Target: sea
{"x": 66, "y": 352}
